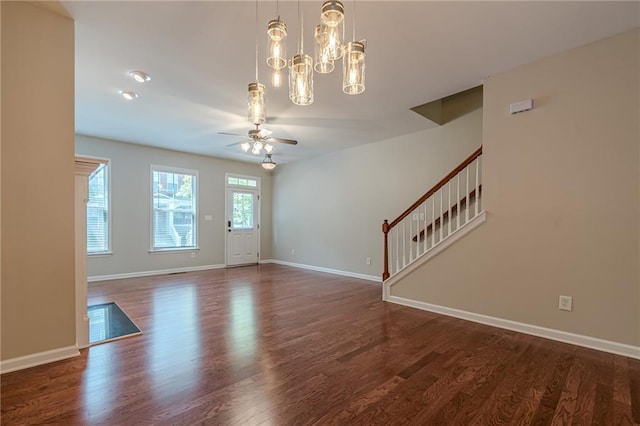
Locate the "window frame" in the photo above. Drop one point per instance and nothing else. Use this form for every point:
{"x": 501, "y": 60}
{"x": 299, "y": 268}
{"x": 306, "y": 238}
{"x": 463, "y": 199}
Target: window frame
{"x": 176, "y": 170}
{"x": 106, "y": 163}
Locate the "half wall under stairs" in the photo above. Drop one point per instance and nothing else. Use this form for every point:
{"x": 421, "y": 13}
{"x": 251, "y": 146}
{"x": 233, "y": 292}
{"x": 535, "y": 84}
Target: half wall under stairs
{"x": 449, "y": 210}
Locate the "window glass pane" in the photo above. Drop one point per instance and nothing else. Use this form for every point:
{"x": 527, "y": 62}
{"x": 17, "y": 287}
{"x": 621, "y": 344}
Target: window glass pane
{"x": 98, "y": 211}
{"x": 174, "y": 210}
{"x": 239, "y": 181}
{"x": 242, "y": 210}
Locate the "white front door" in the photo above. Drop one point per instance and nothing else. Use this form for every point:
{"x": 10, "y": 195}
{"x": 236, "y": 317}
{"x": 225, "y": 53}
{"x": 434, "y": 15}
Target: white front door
{"x": 242, "y": 226}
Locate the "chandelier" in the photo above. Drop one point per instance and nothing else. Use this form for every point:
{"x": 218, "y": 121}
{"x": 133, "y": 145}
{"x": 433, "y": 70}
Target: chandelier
{"x": 329, "y": 48}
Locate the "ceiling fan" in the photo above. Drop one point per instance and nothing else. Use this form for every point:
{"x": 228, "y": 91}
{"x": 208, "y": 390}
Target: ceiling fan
{"x": 258, "y": 139}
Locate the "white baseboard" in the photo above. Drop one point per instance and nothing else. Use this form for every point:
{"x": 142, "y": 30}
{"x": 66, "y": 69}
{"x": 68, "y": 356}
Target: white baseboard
{"x": 548, "y": 333}
{"x": 328, "y": 270}
{"x": 96, "y": 278}
{"x": 22, "y": 362}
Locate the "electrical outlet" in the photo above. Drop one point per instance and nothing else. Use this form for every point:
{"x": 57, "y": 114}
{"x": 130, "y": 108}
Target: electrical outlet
{"x": 368, "y": 261}
{"x": 293, "y": 252}
{"x": 565, "y": 303}
{"x": 193, "y": 254}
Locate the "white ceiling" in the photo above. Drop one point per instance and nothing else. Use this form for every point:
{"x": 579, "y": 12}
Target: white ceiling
{"x": 201, "y": 58}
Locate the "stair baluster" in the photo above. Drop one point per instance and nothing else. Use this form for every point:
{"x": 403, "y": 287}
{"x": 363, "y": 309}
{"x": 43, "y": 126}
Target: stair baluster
{"x": 439, "y": 215}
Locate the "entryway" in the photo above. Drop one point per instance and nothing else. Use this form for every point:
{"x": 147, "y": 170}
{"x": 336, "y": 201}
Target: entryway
{"x": 243, "y": 220}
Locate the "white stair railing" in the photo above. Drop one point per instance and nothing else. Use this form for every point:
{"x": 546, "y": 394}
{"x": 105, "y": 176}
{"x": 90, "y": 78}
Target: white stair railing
{"x": 437, "y": 215}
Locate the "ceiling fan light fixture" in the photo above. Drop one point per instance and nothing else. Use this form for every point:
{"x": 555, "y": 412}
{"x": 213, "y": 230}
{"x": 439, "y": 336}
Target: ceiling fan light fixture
{"x": 140, "y": 76}
{"x": 353, "y": 68}
{"x": 259, "y": 139}
{"x": 256, "y": 103}
{"x": 257, "y": 148}
{"x": 268, "y": 163}
{"x": 301, "y": 79}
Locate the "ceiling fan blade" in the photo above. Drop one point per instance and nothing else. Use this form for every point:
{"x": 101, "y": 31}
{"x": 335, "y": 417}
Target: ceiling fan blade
{"x": 234, "y": 134}
{"x": 281, "y": 140}
{"x": 236, "y": 143}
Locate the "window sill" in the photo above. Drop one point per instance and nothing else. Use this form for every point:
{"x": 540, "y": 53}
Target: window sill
{"x": 101, "y": 254}
{"x": 173, "y": 250}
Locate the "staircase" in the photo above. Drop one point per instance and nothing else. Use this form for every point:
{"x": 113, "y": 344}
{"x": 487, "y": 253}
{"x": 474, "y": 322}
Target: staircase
{"x": 445, "y": 213}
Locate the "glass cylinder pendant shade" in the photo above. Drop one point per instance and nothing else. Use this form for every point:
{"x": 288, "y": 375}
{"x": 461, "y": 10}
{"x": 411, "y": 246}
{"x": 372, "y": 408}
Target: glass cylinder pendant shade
{"x": 353, "y": 68}
{"x": 301, "y": 79}
{"x": 332, "y": 13}
{"x": 277, "y": 31}
{"x": 256, "y": 103}
{"x": 333, "y": 17}
{"x": 323, "y": 62}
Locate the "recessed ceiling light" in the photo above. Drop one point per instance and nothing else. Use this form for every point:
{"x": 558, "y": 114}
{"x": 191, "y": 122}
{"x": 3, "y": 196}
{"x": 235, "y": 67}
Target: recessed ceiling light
{"x": 128, "y": 94}
{"x": 140, "y": 76}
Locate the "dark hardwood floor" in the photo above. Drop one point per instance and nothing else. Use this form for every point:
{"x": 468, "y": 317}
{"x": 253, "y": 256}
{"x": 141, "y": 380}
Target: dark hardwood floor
{"x": 276, "y": 345}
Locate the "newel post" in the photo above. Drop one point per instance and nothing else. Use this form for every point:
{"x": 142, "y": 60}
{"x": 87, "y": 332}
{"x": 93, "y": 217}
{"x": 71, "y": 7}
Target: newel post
{"x": 385, "y": 230}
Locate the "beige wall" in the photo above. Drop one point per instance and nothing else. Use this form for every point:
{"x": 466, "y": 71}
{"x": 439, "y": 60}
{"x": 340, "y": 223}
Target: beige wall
{"x": 561, "y": 188}
{"x": 330, "y": 209}
{"x": 131, "y": 210}
{"x": 37, "y": 211}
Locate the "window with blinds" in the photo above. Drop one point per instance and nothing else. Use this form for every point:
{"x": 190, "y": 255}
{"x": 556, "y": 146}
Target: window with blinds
{"x": 98, "y": 212}
{"x": 174, "y": 208}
